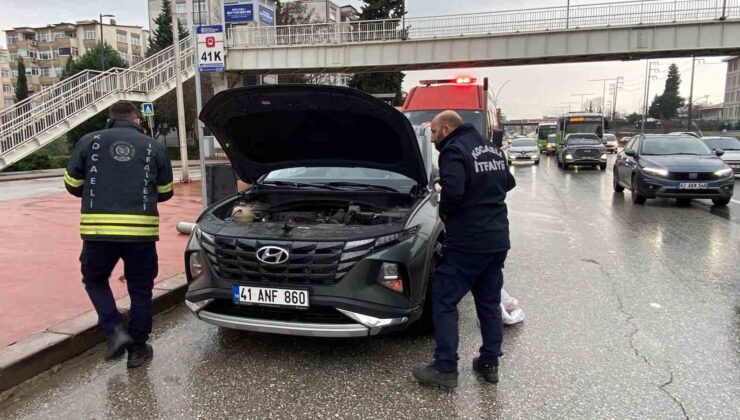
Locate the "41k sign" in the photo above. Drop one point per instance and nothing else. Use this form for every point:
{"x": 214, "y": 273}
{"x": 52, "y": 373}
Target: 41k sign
{"x": 211, "y": 49}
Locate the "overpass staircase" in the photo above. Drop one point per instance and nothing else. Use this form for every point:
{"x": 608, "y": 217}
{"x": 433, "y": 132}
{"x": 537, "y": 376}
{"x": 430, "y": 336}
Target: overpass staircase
{"x": 45, "y": 116}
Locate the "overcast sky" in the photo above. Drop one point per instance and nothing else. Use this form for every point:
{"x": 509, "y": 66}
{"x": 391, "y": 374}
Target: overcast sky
{"x": 531, "y": 91}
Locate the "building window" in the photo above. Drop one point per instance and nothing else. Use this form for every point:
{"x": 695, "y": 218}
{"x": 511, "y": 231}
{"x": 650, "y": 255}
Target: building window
{"x": 181, "y": 8}
{"x": 6, "y": 74}
{"x": 122, "y": 37}
{"x": 7, "y": 88}
{"x": 123, "y": 55}
{"x": 91, "y": 34}
{"x": 32, "y": 71}
{"x": 12, "y": 39}
{"x": 46, "y": 55}
{"x": 58, "y": 71}
{"x": 57, "y": 35}
{"x": 63, "y": 52}
{"x": 4, "y": 59}
{"x": 15, "y": 74}
{"x": 135, "y": 40}
{"x": 46, "y": 72}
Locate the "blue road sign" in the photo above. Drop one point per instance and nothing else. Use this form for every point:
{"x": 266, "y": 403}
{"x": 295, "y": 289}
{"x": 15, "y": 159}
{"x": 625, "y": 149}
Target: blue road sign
{"x": 147, "y": 109}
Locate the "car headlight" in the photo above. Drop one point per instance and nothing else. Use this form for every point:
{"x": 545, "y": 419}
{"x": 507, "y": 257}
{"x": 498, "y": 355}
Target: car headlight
{"x": 603, "y": 156}
{"x": 723, "y": 172}
{"x": 569, "y": 156}
{"x": 655, "y": 171}
{"x": 390, "y": 277}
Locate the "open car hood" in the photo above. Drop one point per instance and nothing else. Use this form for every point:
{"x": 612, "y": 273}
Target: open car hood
{"x": 270, "y": 127}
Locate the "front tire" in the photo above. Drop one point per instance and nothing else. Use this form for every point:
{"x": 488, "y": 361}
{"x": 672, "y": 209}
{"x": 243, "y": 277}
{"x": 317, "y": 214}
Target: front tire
{"x": 615, "y": 183}
{"x": 537, "y": 162}
{"x": 602, "y": 166}
{"x": 425, "y": 324}
{"x": 720, "y": 202}
{"x": 637, "y": 198}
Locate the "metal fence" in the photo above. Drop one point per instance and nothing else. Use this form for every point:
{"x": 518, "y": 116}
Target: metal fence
{"x": 494, "y": 23}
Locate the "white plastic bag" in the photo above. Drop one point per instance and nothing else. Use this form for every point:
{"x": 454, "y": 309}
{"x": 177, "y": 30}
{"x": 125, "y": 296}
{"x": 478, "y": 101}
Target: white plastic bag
{"x": 511, "y": 313}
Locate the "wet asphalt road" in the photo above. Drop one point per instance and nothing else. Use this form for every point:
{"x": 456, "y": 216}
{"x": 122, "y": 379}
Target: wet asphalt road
{"x": 632, "y": 312}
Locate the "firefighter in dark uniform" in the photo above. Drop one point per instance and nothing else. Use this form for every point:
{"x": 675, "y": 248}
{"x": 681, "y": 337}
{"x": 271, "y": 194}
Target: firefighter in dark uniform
{"x": 475, "y": 178}
{"x": 120, "y": 174}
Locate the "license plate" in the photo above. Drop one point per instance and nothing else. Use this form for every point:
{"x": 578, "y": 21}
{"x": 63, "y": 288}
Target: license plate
{"x": 268, "y": 296}
{"x": 693, "y": 185}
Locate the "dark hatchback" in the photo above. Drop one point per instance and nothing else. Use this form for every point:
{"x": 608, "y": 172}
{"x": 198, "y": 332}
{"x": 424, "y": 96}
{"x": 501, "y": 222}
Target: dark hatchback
{"x": 673, "y": 166}
{"x": 342, "y": 230}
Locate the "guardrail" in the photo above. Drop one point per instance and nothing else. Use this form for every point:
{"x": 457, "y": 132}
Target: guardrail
{"x": 493, "y": 23}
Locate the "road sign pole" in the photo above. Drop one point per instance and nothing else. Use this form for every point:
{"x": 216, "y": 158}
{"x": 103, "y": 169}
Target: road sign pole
{"x": 199, "y": 123}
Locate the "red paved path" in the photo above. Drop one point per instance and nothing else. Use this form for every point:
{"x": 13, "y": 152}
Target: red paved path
{"x": 40, "y": 283}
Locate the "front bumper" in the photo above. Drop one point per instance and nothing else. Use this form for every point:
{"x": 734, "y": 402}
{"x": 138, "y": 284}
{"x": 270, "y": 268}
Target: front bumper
{"x": 611, "y": 147}
{"x": 366, "y": 325}
{"x": 585, "y": 162}
{"x": 654, "y": 187}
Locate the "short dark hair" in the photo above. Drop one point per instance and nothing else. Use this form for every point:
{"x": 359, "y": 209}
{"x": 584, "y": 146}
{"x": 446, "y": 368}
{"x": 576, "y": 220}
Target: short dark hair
{"x": 123, "y": 110}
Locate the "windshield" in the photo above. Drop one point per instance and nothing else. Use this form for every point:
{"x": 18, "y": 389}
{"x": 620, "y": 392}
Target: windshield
{"x": 610, "y": 137}
{"x": 724, "y": 143}
{"x": 552, "y": 138}
{"x": 524, "y": 143}
{"x": 584, "y": 127}
{"x": 545, "y": 130}
{"x": 583, "y": 141}
{"x": 683, "y": 145}
{"x": 469, "y": 116}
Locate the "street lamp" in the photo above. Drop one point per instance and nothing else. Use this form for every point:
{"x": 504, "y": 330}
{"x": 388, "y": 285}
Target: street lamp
{"x": 495, "y": 98}
{"x": 102, "y": 50}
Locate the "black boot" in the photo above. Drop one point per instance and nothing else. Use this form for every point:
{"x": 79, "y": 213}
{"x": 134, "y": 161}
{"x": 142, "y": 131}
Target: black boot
{"x": 429, "y": 375}
{"x": 138, "y": 354}
{"x": 118, "y": 341}
{"x": 489, "y": 372}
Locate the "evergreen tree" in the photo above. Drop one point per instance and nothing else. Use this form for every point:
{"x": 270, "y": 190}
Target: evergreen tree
{"x": 162, "y": 36}
{"x": 21, "y": 86}
{"x": 667, "y": 104}
{"x": 389, "y": 82}
{"x": 91, "y": 61}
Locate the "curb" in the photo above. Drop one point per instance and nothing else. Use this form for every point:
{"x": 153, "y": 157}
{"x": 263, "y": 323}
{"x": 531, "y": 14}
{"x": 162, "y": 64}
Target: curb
{"x": 39, "y": 352}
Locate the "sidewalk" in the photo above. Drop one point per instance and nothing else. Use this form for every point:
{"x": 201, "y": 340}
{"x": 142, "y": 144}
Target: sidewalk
{"x": 39, "y": 253}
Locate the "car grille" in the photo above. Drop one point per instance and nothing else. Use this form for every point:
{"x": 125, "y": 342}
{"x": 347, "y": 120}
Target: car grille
{"x": 687, "y": 176}
{"x": 314, "y": 314}
{"x": 690, "y": 192}
{"x": 586, "y": 154}
{"x": 309, "y": 263}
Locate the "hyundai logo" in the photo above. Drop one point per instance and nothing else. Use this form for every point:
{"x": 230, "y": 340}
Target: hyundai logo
{"x": 272, "y": 255}
{"x": 693, "y": 176}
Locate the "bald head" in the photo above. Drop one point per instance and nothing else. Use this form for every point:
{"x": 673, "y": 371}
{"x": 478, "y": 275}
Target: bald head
{"x": 443, "y": 124}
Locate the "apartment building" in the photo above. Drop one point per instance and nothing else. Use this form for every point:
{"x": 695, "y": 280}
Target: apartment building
{"x": 6, "y": 86}
{"x": 208, "y": 12}
{"x": 732, "y": 90}
{"x": 45, "y": 50}
{"x": 320, "y": 8}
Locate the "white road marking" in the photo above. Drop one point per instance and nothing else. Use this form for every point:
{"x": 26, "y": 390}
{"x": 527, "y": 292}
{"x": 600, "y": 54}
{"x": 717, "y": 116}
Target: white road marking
{"x": 656, "y": 305}
{"x": 735, "y": 201}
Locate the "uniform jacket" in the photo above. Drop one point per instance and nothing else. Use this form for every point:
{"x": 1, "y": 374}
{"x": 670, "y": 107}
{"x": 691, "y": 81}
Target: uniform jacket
{"x": 120, "y": 174}
{"x": 475, "y": 178}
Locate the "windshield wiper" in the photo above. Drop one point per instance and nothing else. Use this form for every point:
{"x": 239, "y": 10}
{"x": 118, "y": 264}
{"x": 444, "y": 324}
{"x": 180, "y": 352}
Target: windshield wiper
{"x": 359, "y": 185}
{"x": 300, "y": 185}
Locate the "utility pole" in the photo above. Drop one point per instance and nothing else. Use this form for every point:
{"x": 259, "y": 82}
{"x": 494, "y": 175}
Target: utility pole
{"x": 691, "y": 94}
{"x": 648, "y": 76}
{"x": 198, "y": 108}
{"x": 180, "y": 101}
{"x": 102, "y": 42}
{"x": 582, "y": 95}
{"x": 616, "y": 80}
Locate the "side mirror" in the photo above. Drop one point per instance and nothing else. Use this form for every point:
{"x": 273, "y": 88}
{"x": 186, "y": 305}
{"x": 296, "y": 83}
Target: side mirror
{"x": 719, "y": 152}
{"x": 630, "y": 153}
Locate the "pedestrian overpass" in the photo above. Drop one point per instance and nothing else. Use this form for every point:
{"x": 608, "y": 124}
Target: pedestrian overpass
{"x": 618, "y": 31}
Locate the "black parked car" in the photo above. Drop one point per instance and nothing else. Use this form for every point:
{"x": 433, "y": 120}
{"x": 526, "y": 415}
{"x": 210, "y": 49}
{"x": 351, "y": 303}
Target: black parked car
{"x": 673, "y": 166}
{"x": 340, "y": 232}
{"x": 581, "y": 149}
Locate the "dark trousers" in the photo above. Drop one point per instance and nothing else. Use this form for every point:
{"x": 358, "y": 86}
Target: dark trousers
{"x": 457, "y": 274}
{"x": 140, "y": 269}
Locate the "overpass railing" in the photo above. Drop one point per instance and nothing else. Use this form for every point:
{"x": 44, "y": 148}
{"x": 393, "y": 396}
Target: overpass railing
{"x": 599, "y": 15}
